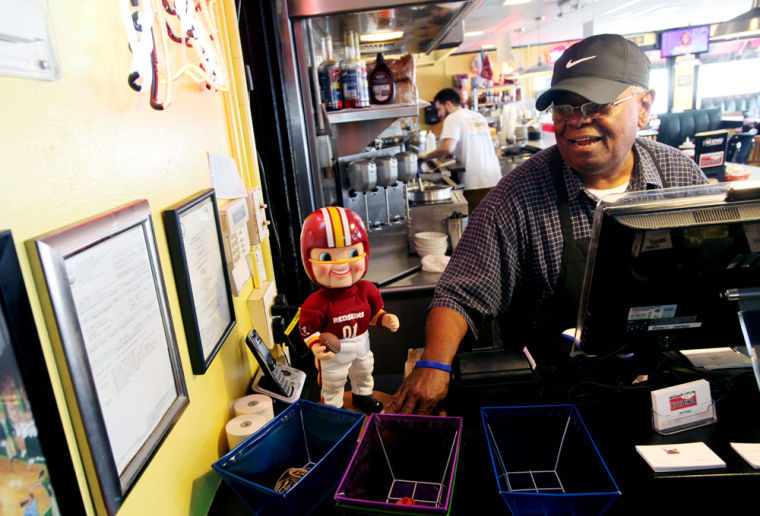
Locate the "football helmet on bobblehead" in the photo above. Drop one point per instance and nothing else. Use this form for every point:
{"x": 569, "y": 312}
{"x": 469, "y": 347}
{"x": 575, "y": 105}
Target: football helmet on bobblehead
{"x": 335, "y": 255}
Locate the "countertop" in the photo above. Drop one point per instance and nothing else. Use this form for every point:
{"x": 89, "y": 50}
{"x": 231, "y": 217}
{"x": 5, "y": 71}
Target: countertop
{"x": 616, "y": 419}
{"x": 391, "y": 266}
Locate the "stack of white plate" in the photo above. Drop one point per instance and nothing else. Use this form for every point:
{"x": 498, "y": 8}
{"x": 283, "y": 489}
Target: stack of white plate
{"x": 430, "y": 242}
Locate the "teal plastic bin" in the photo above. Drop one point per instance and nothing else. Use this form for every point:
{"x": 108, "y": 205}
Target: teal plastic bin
{"x": 545, "y": 461}
{"x": 305, "y": 435}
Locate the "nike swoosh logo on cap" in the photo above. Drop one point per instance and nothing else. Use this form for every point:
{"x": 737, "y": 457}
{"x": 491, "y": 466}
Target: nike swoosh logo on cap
{"x": 572, "y": 63}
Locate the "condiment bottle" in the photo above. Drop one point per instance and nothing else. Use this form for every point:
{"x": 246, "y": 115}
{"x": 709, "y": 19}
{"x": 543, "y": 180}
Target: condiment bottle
{"x": 362, "y": 70}
{"x": 349, "y": 75}
{"x": 429, "y": 142}
{"x": 688, "y": 148}
{"x": 329, "y": 77}
{"x": 382, "y": 88}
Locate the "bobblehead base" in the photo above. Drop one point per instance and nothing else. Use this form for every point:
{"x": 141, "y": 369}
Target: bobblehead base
{"x": 348, "y": 403}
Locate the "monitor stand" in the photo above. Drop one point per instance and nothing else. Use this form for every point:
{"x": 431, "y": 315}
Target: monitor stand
{"x": 749, "y": 319}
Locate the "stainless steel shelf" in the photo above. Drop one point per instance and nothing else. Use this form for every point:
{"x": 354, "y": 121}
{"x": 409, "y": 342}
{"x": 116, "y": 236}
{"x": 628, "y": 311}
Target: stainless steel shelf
{"x": 354, "y": 129}
{"x": 377, "y": 112}
{"x": 497, "y": 87}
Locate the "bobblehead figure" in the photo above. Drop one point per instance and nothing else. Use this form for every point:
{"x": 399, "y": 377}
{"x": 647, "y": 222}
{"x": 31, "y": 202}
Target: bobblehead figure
{"x": 335, "y": 255}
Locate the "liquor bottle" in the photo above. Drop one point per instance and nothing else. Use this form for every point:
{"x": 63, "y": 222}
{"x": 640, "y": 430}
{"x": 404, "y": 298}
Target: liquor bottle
{"x": 329, "y": 77}
{"x": 382, "y": 88}
{"x": 362, "y": 67}
{"x": 349, "y": 75}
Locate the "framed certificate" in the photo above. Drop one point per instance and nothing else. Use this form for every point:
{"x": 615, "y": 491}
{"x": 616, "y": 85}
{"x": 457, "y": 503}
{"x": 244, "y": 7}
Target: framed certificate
{"x": 102, "y": 291}
{"x": 195, "y": 241}
{"x": 36, "y": 471}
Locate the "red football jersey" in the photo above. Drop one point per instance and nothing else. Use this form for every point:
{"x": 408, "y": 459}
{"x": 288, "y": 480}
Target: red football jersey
{"x": 344, "y": 312}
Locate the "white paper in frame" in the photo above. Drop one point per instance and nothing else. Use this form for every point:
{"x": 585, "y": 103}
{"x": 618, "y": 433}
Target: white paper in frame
{"x": 102, "y": 290}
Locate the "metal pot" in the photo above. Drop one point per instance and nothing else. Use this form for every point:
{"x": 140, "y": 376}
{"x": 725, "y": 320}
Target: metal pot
{"x": 387, "y": 170}
{"x": 362, "y": 175}
{"x": 521, "y": 132}
{"x": 429, "y": 194}
{"x": 407, "y": 166}
{"x": 416, "y": 138}
{"x": 392, "y": 141}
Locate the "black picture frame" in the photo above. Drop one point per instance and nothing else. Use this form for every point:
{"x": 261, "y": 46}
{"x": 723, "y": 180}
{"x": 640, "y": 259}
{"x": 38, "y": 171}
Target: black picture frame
{"x": 194, "y": 235}
{"x": 22, "y": 363}
{"x": 103, "y": 296}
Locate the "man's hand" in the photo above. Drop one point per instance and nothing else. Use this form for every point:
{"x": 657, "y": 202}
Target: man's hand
{"x": 422, "y": 390}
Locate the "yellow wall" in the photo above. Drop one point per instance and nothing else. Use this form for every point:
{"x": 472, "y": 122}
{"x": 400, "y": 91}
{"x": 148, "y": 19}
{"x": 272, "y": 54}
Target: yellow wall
{"x": 87, "y": 143}
{"x": 433, "y": 78}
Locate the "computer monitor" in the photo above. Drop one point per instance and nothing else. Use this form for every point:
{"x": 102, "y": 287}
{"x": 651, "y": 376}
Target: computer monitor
{"x": 660, "y": 265}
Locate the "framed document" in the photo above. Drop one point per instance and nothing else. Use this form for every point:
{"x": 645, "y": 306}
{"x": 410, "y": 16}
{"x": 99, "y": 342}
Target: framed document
{"x": 102, "y": 291}
{"x": 200, "y": 273}
{"x": 36, "y": 471}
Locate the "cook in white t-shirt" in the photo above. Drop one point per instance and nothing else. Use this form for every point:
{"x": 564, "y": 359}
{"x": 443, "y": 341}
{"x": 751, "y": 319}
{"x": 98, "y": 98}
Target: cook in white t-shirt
{"x": 466, "y": 136}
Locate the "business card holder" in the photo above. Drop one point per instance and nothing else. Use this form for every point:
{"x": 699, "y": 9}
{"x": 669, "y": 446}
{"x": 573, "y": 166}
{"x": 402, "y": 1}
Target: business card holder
{"x": 667, "y": 424}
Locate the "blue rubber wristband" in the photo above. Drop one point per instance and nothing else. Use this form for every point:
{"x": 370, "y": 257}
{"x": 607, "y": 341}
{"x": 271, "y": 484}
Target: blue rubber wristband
{"x": 432, "y": 365}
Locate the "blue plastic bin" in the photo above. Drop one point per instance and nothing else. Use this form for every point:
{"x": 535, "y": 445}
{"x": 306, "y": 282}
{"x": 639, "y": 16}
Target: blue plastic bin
{"x": 545, "y": 461}
{"x": 304, "y": 434}
{"x": 402, "y": 458}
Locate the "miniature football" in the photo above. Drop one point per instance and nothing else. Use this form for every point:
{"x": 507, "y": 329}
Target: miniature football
{"x": 330, "y": 341}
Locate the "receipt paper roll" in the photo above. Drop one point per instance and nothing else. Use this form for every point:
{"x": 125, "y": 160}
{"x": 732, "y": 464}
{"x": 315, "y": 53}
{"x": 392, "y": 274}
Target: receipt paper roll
{"x": 240, "y": 427}
{"x": 254, "y": 404}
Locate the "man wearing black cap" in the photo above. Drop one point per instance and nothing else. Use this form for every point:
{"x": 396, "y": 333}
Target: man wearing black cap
{"x": 522, "y": 257}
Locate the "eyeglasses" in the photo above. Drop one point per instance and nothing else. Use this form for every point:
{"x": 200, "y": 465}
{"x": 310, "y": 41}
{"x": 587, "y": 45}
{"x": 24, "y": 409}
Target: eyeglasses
{"x": 336, "y": 262}
{"x": 564, "y": 112}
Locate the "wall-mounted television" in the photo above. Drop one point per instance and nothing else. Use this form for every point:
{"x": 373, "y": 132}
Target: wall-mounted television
{"x": 687, "y": 40}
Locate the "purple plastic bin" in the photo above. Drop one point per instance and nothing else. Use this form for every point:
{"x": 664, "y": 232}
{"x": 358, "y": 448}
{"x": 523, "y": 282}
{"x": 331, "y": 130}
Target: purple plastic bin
{"x": 402, "y": 457}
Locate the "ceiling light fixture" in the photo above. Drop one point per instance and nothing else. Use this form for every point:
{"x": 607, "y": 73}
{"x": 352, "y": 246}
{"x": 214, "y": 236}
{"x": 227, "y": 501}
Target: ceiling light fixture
{"x": 540, "y": 65}
{"x": 621, "y": 7}
{"x": 659, "y": 10}
{"x": 381, "y": 35}
{"x": 746, "y": 24}
{"x": 474, "y": 33}
{"x": 515, "y": 2}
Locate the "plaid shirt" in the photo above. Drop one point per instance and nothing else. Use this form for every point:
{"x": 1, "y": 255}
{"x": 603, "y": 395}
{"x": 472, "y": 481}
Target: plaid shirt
{"x": 511, "y": 250}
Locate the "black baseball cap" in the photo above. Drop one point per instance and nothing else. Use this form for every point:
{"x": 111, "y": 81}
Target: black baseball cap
{"x": 598, "y": 68}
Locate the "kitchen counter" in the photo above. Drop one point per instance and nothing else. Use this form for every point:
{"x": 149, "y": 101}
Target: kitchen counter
{"x": 546, "y": 140}
{"x": 389, "y": 255}
{"x": 418, "y": 280}
{"x": 391, "y": 266}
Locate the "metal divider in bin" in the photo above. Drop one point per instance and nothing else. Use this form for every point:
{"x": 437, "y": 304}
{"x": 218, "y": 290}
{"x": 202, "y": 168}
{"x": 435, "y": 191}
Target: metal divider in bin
{"x": 402, "y": 458}
{"x": 304, "y": 435}
{"x": 545, "y": 461}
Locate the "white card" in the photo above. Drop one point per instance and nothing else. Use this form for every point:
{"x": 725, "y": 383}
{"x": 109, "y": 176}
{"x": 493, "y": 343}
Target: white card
{"x": 749, "y": 452}
{"x": 680, "y": 457}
